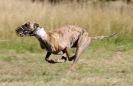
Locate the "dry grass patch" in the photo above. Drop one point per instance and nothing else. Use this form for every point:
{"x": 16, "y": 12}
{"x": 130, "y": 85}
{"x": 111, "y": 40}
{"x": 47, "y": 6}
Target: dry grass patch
{"x": 104, "y": 68}
{"x": 97, "y": 19}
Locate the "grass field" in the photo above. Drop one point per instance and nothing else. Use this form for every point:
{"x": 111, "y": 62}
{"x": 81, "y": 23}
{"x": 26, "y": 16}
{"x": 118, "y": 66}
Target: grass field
{"x": 106, "y": 62}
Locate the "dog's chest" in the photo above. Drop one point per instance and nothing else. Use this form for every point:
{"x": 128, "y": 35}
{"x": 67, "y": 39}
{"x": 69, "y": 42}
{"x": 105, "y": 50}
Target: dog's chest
{"x": 50, "y": 45}
{"x": 45, "y": 45}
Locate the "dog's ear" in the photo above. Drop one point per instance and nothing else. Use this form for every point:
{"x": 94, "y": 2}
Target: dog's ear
{"x": 27, "y": 24}
{"x": 36, "y": 25}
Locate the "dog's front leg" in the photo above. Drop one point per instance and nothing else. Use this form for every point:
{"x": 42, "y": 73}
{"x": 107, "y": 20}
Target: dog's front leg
{"x": 67, "y": 55}
{"x": 47, "y": 58}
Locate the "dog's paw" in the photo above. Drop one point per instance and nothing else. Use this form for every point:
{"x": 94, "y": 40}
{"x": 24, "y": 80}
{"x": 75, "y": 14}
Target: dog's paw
{"x": 61, "y": 60}
{"x": 72, "y": 58}
{"x": 51, "y": 61}
{"x": 64, "y": 58}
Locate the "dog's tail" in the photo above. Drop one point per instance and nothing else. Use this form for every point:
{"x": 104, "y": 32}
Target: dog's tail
{"x": 102, "y": 37}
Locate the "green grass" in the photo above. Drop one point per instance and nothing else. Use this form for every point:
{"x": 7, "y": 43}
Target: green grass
{"x": 106, "y": 62}
{"x": 117, "y": 43}
{"x": 21, "y": 46}
{"x": 29, "y": 44}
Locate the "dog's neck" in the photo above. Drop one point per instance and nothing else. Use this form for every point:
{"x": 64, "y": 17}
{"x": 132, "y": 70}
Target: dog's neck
{"x": 40, "y": 33}
{"x": 42, "y": 36}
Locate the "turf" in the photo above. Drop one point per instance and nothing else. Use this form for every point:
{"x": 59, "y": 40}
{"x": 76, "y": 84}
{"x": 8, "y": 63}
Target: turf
{"x": 106, "y": 62}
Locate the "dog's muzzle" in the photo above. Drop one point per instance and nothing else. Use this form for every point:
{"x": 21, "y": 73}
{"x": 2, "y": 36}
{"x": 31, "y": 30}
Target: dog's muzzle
{"x": 24, "y": 32}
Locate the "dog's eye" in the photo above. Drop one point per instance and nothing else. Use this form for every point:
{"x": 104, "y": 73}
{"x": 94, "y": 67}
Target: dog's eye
{"x": 26, "y": 25}
{"x": 16, "y": 30}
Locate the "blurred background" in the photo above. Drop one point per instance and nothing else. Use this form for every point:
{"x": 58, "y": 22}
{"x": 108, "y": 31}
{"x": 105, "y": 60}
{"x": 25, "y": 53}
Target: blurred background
{"x": 98, "y": 17}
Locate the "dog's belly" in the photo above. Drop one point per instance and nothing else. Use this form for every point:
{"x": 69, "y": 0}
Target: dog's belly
{"x": 55, "y": 49}
{"x": 58, "y": 53}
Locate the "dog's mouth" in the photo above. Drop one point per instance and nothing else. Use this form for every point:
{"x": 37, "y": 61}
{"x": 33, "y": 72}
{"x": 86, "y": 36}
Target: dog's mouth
{"x": 20, "y": 31}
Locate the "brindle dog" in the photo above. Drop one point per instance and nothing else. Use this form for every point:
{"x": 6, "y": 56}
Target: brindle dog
{"x": 59, "y": 40}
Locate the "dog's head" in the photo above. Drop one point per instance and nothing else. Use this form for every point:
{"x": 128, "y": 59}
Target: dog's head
{"x": 27, "y": 29}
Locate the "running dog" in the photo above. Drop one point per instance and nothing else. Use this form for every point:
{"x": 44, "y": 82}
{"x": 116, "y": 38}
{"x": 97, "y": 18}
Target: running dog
{"x": 59, "y": 41}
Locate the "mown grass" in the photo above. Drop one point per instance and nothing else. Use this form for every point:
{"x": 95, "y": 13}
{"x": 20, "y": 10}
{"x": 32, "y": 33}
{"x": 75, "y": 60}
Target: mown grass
{"x": 106, "y": 62}
{"x": 99, "y": 65}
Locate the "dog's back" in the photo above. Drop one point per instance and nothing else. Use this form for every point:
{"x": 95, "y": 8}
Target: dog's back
{"x": 68, "y": 35}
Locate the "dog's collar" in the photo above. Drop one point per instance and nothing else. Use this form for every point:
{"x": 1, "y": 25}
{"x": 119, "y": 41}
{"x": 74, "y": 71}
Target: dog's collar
{"x": 40, "y": 33}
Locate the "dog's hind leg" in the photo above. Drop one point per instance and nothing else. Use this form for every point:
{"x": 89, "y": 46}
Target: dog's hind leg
{"x": 82, "y": 44}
